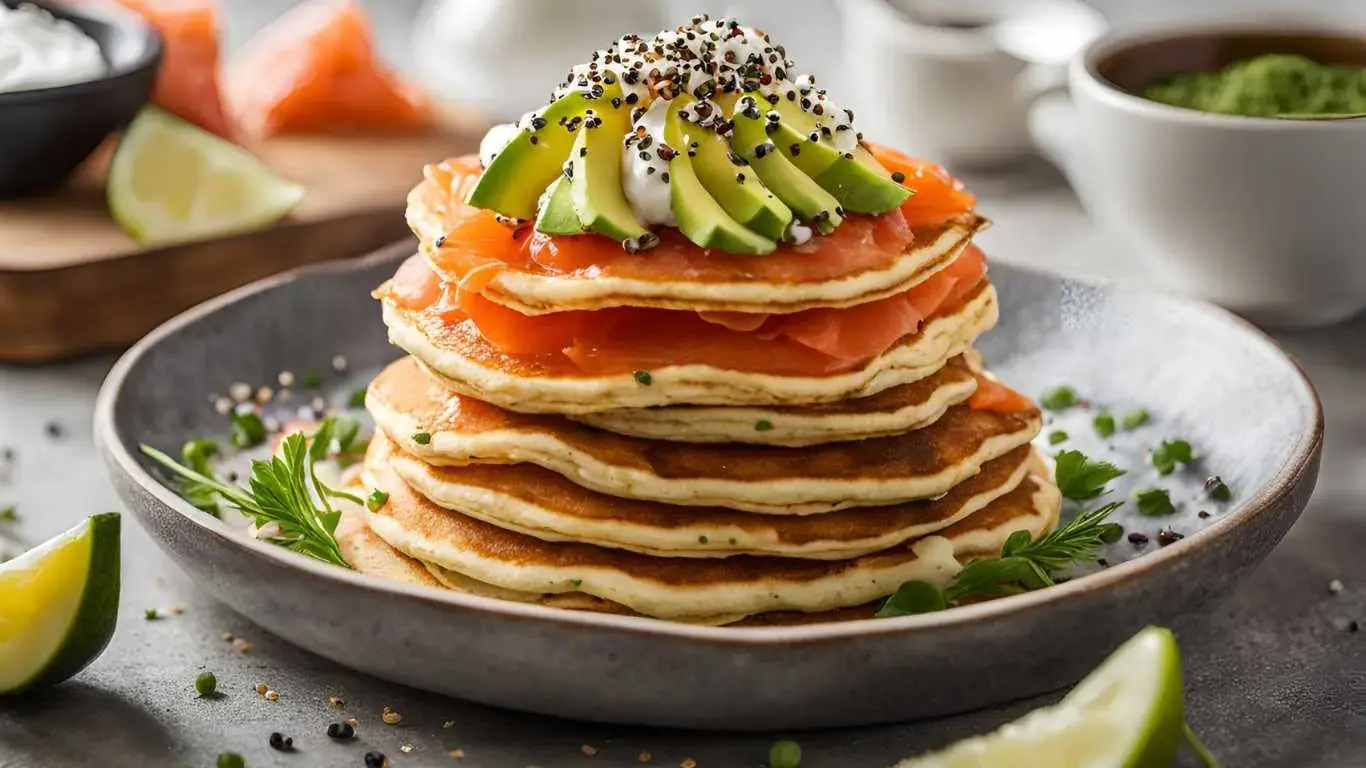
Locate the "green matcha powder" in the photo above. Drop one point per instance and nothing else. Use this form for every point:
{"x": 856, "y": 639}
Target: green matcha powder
{"x": 1274, "y": 85}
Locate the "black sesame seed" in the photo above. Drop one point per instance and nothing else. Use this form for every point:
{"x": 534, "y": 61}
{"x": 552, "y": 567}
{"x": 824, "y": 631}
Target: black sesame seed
{"x": 375, "y": 760}
{"x": 1203, "y": 514}
{"x": 795, "y": 149}
{"x": 341, "y": 731}
{"x": 439, "y": 241}
{"x": 740, "y": 178}
{"x": 54, "y": 430}
{"x": 537, "y": 123}
{"x": 533, "y": 140}
{"x": 583, "y": 151}
{"x": 839, "y": 210}
{"x": 771, "y": 128}
{"x": 898, "y": 177}
{"x": 616, "y": 101}
{"x": 664, "y": 177}
{"x": 632, "y": 98}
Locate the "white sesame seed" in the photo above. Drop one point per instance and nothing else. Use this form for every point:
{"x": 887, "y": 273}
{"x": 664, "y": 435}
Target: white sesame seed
{"x": 223, "y": 405}
{"x": 339, "y": 363}
{"x": 264, "y": 395}
{"x": 1335, "y": 586}
{"x": 286, "y": 378}
{"x": 240, "y": 391}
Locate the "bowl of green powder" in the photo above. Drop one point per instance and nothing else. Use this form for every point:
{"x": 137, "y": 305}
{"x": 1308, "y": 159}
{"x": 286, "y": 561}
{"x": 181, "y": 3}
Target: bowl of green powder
{"x": 1178, "y": 141}
{"x": 1284, "y": 85}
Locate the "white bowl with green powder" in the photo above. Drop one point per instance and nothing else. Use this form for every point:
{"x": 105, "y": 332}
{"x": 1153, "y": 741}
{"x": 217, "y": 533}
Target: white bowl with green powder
{"x": 1177, "y": 140}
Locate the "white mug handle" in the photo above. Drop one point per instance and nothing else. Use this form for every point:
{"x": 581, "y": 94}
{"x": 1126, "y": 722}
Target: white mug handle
{"x": 1053, "y": 129}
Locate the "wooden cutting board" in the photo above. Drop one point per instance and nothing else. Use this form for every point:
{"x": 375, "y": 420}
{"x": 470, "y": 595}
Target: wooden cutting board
{"x": 72, "y": 282}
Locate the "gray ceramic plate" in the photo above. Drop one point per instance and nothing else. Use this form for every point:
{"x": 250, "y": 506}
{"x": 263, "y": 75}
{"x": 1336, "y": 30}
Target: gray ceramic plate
{"x": 1203, "y": 375}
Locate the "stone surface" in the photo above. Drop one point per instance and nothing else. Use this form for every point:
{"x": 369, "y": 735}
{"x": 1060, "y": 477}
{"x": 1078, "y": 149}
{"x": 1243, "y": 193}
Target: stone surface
{"x": 1271, "y": 681}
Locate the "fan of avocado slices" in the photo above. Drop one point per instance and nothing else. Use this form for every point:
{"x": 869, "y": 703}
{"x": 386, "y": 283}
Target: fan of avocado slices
{"x": 705, "y": 128}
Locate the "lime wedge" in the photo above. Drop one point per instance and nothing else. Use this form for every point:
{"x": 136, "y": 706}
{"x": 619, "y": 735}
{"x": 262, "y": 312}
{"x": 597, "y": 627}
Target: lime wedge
{"x": 1125, "y": 714}
{"x": 60, "y": 603}
{"x": 172, "y": 182}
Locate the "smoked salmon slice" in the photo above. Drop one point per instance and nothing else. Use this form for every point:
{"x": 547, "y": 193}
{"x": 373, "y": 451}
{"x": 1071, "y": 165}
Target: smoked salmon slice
{"x": 812, "y": 342}
{"x": 992, "y": 395}
{"x": 315, "y": 70}
{"x": 187, "y": 83}
{"x": 474, "y": 237}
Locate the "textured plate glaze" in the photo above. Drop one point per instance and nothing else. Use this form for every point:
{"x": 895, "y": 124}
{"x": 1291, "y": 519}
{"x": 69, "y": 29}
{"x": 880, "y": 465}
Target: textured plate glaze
{"x": 1203, "y": 374}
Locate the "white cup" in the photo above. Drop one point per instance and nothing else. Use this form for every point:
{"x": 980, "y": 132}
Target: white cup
{"x": 1264, "y": 216}
{"x": 954, "y": 79}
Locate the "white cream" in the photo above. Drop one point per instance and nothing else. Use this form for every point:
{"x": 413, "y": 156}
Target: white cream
{"x": 797, "y": 233}
{"x": 38, "y": 50}
{"x": 498, "y": 137}
{"x": 643, "y": 174}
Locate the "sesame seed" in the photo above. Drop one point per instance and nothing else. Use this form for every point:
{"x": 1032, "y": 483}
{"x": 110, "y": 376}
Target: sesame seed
{"x": 335, "y": 702}
{"x": 589, "y": 750}
{"x": 1335, "y": 586}
{"x": 240, "y": 391}
{"x": 285, "y": 379}
{"x": 339, "y": 363}
{"x": 240, "y": 645}
{"x": 264, "y": 395}
{"x": 457, "y": 754}
{"x": 390, "y": 717}
{"x": 223, "y": 406}
{"x": 261, "y": 689}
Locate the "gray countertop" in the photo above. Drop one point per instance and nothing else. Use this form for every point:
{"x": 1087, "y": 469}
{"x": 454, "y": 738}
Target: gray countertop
{"x": 1273, "y": 677}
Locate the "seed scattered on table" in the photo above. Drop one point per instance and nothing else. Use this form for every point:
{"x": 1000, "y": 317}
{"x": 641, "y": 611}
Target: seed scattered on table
{"x": 589, "y": 750}
{"x": 272, "y": 696}
{"x": 1335, "y": 586}
{"x": 240, "y": 392}
{"x": 448, "y": 724}
{"x": 261, "y": 689}
{"x": 240, "y": 645}
{"x": 376, "y": 760}
{"x": 341, "y": 731}
{"x": 339, "y": 363}
{"x": 1138, "y": 539}
{"x": 285, "y": 379}
{"x": 457, "y": 754}
{"x": 644, "y": 757}
{"x": 281, "y": 743}
{"x": 335, "y": 702}
{"x": 406, "y": 748}
{"x": 390, "y": 717}
{"x": 688, "y": 762}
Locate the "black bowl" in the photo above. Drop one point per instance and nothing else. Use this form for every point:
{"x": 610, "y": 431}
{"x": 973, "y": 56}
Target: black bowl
{"x": 46, "y": 133}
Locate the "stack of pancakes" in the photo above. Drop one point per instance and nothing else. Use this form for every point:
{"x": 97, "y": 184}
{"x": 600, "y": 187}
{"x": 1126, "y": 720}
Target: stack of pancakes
{"x": 689, "y": 492}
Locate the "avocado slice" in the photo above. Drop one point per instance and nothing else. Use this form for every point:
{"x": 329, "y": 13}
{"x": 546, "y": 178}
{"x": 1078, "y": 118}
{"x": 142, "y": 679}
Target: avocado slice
{"x": 700, "y": 217}
{"x": 595, "y": 161}
{"x": 557, "y": 216}
{"x": 734, "y": 185}
{"x": 514, "y": 181}
{"x": 859, "y": 182}
{"x": 800, "y": 192}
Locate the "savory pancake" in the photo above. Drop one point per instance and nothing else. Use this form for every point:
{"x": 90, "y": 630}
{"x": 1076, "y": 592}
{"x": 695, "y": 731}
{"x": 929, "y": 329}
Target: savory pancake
{"x": 443, "y": 429}
{"x": 903, "y": 408}
{"x": 683, "y": 588}
{"x": 537, "y": 502}
{"x": 466, "y": 362}
{"x": 535, "y": 275}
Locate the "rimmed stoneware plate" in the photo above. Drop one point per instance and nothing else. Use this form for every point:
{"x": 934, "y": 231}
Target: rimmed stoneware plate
{"x": 1202, "y": 374}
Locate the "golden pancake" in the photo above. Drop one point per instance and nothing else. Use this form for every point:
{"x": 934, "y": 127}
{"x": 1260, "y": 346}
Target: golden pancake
{"x": 683, "y": 588}
{"x": 443, "y": 428}
{"x": 537, "y": 502}
{"x": 466, "y": 362}
{"x": 903, "y": 408}
{"x": 741, "y": 285}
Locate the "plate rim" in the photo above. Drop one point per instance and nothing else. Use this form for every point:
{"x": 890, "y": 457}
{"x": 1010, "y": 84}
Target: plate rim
{"x": 1271, "y": 496}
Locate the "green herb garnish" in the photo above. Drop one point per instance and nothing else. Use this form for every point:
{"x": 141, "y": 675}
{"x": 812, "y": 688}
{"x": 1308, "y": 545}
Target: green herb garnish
{"x": 1154, "y": 502}
{"x": 1134, "y": 419}
{"x": 1104, "y": 423}
{"x": 576, "y": 583}
{"x": 9, "y": 514}
{"x": 196, "y": 454}
{"x": 1082, "y": 479}
{"x": 312, "y": 380}
{"x": 248, "y": 431}
{"x": 763, "y": 425}
{"x": 1170, "y": 453}
{"x": 284, "y": 490}
{"x": 150, "y": 614}
{"x": 643, "y": 378}
{"x": 1059, "y": 398}
{"x": 231, "y": 760}
{"x": 1025, "y": 564}
{"x": 422, "y": 438}
{"x": 785, "y": 754}
{"x": 1057, "y": 436}
{"x": 357, "y": 399}
{"x": 376, "y": 500}
{"x": 206, "y": 685}
{"x": 1217, "y": 489}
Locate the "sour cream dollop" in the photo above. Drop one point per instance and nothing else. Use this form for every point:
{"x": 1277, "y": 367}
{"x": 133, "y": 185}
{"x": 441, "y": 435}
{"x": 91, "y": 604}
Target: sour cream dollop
{"x": 38, "y": 50}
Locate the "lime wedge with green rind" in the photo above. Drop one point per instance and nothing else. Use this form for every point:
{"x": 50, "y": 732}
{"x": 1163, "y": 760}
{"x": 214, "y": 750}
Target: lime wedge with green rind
{"x": 170, "y": 182}
{"x": 60, "y": 604}
{"x": 1126, "y": 714}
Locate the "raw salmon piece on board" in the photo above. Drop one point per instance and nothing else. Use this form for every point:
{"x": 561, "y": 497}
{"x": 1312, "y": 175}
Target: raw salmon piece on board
{"x": 187, "y": 84}
{"x": 315, "y": 70}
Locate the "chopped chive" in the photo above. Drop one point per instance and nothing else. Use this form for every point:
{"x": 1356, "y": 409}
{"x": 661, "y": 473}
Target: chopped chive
{"x": 422, "y": 438}
{"x": 763, "y": 425}
{"x": 376, "y": 499}
{"x": 357, "y": 399}
{"x": 576, "y": 582}
{"x": 1104, "y": 423}
{"x": 150, "y": 614}
{"x": 231, "y": 760}
{"x": 643, "y": 378}
{"x": 1059, "y": 398}
{"x": 1057, "y": 436}
{"x": 1154, "y": 502}
{"x": 248, "y": 431}
{"x": 1134, "y": 419}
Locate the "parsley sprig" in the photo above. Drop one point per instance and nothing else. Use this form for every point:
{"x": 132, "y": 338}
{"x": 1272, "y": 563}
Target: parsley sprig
{"x": 284, "y": 490}
{"x": 1027, "y": 563}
